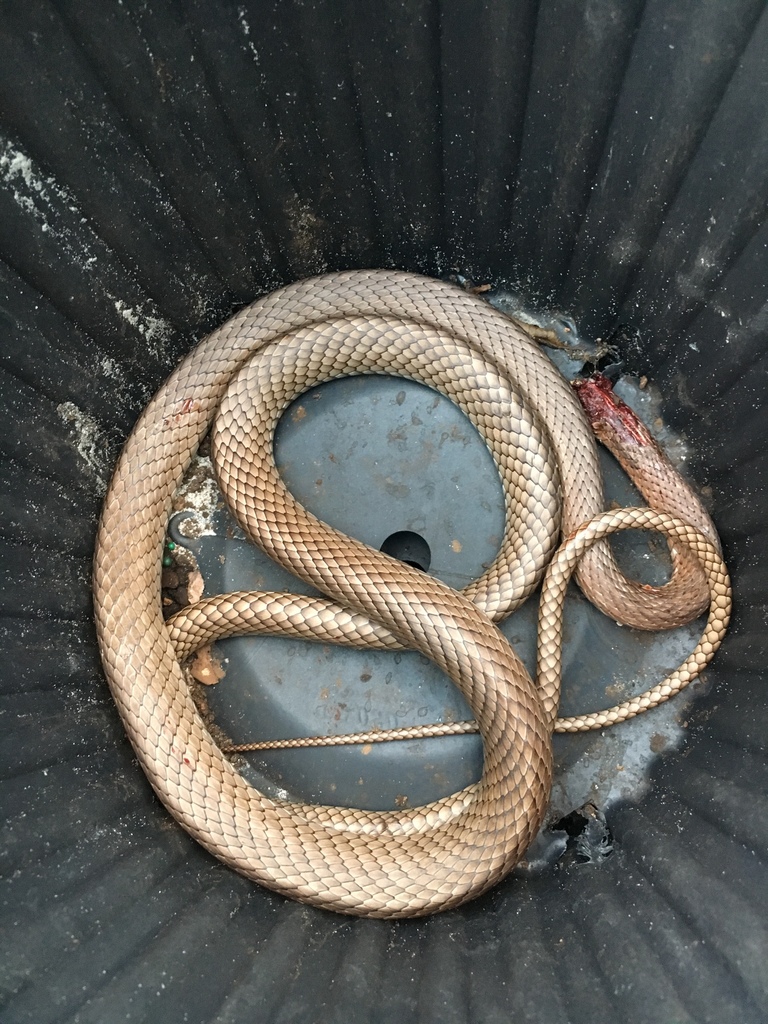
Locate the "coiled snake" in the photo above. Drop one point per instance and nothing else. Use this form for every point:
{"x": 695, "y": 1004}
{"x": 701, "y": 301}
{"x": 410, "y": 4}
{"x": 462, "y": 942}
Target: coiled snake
{"x": 416, "y": 861}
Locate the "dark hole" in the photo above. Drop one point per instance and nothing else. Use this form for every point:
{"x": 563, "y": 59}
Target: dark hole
{"x": 408, "y": 547}
{"x": 589, "y": 838}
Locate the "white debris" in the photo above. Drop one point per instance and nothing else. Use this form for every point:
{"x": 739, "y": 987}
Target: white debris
{"x": 153, "y": 328}
{"x": 89, "y": 440}
{"x": 199, "y": 494}
{"x": 30, "y": 189}
{"x": 44, "y": 199}
{"x": 246, "y": 32}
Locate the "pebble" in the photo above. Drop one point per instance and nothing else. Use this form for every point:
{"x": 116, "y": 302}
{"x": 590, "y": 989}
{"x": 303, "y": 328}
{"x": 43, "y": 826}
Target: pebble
{"x": 170, "y": 579}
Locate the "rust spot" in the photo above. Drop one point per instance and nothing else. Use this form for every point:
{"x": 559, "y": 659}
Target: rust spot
{"x": 367, "y": 748}
{"x": 324, "y": 693}
{"x": 299, "y": 415}
{"x": 188, "y": 405}
{"x": 456, "y": 546}
{"x": 401, "y": 800}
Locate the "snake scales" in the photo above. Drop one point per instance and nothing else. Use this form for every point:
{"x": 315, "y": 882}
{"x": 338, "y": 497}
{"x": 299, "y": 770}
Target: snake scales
{"x": 416, "y": 861}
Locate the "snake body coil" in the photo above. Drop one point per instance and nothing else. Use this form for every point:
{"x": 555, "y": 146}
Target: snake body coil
{"x": 383, "y": 864}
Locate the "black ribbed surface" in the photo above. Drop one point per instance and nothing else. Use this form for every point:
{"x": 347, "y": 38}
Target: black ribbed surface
{"x": 161, "y": 164}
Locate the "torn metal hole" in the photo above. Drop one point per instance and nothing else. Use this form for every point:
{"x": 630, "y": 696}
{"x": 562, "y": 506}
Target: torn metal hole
{"x": 590, "y": 840}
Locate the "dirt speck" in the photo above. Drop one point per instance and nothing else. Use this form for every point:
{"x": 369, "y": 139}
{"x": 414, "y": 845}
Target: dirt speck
{"x": 205, "y": 667}
{"x": 89, "y": 441}
{"x": 199, "y": 494}
{"x": 153, "y": 328}
{"x": 199, "y": 695}
{"x": 195, "y": 586}
{"x": 181, "y": 581}
{"x": 397, "y": 490}
{"x": 659, "y": 743}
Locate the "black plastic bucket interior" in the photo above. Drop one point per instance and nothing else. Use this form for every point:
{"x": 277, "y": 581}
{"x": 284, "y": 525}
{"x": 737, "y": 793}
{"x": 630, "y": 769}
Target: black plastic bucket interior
{"x": 602, "y": 165}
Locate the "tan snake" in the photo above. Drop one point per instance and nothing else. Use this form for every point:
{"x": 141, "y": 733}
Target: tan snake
{"x": 410, "y": 862}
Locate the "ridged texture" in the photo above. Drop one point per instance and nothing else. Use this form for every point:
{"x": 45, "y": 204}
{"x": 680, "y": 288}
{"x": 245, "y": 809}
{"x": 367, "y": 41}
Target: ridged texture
{"x": 609, "y": 157}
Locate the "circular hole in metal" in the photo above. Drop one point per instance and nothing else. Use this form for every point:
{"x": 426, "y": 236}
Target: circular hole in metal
{"x": 408, "y": 547}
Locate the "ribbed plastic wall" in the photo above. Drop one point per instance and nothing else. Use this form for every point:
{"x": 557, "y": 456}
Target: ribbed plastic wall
{"x": 161, "y": 163}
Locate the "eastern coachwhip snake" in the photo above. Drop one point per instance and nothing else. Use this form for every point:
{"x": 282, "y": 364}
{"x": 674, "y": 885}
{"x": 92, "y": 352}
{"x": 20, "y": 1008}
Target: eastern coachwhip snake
{"x": 417, "y": 861}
